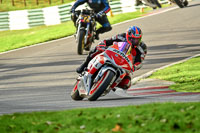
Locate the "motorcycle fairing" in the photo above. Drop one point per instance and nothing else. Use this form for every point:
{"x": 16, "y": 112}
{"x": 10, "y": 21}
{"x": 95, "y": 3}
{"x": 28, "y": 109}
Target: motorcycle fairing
{"x": 84, "y": 84}
{"x": 119, "y": 58}
{"x": 96, "y": 63}
{"x": 114, "y": 59}
{"x": 112, "y": 56}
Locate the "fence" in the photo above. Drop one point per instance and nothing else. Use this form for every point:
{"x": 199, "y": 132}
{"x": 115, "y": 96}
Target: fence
{"x": 23, "y": 19}
{"x": 24, "y": 2}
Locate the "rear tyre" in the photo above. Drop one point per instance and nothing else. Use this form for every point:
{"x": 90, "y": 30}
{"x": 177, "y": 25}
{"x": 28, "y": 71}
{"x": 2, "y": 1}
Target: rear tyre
{"x": 157, "y": 3}
{"x": 81, "y": 41}
{"x": 75, "y": 93}
{"x": 179, "y": 3}
{"x": 150, "y": 3}
{"x": 185, "y": 3}
{"x": 99, "y": 87}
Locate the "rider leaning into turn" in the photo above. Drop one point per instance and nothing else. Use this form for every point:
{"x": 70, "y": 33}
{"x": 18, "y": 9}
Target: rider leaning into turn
{"x": 139, "y": 50}
{"x": 100, "y": 7}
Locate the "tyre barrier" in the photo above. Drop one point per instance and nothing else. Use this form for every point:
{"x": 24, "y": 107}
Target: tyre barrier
{"x": 24, "y": 19}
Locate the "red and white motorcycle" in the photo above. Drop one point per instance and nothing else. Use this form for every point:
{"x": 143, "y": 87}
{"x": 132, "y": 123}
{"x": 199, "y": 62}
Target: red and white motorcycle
{"x": 104, "y": 72}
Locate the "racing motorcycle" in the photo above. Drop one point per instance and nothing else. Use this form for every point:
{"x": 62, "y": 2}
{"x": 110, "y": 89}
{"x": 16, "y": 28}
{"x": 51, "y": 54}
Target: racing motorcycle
{"x": 104, "y": 72}
{"x": 155, "y": 3}
{"x": 85, "y": 29}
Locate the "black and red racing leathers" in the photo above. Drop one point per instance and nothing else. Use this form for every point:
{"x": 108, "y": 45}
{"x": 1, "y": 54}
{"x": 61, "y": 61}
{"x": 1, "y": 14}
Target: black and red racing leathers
{"x": 138, "y": 53}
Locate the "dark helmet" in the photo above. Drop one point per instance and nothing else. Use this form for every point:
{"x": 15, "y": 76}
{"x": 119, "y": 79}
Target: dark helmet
{"x": 134, "y": 36}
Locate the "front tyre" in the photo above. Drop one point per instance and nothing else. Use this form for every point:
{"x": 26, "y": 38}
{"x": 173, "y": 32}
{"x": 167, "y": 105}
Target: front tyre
{"x": 75, "y": 93}
{"x": 81, "y": 41}
{"x": 99, "y": 87}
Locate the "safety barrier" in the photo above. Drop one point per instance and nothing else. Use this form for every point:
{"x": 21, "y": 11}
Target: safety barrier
{"x": 24, "y": 19}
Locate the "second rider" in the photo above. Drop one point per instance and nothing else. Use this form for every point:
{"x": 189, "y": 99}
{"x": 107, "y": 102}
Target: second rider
{"x": 100, "y": 7}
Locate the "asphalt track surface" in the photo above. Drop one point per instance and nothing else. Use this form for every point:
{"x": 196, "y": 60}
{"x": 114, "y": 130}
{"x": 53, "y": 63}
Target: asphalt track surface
{"x": 41, "y": 77}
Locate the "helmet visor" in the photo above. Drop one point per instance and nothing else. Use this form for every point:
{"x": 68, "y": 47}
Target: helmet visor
{"x": 134, "y": 41}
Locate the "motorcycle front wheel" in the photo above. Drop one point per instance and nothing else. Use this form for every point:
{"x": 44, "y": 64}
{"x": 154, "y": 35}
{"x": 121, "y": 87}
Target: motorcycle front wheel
{"x": 81, "y": 41}
{"x": 75, "y": 93}
{"x": 99, "y": 87}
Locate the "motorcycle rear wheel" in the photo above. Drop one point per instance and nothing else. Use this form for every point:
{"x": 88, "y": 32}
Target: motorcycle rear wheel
{"x": 157, "y": 3}
{"x": 185, "y": 3}
{"x": 81, "y": 41}
{"x": 99, "y": 87}
{"x": 179, "y": 3}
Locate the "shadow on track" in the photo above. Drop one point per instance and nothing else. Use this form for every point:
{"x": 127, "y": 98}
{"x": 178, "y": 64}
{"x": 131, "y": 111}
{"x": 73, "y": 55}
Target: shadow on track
{"x": 121, "y": 98}
{"x": 192, "y": 5}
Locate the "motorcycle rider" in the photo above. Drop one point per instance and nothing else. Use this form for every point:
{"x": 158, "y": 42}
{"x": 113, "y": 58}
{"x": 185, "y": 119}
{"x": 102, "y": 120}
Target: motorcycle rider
{"x": 139, "y": 50}
{"x": 100, "y": 7}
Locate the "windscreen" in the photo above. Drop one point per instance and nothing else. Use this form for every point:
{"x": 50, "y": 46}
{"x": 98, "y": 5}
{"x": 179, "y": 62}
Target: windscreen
{"x": 124, "y": 47}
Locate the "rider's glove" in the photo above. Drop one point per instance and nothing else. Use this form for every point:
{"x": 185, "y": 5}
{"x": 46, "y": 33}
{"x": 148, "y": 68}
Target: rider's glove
{"x": 100, "y": 14}
{"x": 72, "y": 11}
{"x": 72, "y": 14}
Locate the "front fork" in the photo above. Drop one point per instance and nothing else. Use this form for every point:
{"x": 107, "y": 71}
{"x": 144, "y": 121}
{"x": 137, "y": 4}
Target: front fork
{"x": 78, "y": 30}
{"x": 86, "y": 34}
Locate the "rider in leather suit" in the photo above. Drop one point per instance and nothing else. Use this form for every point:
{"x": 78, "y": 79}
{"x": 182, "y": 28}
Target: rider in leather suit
{"x": 100, "y": 7}
{"x": 139, "y": 50}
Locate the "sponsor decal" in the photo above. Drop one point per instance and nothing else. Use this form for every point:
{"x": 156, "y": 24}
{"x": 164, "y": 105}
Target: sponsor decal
{"x": 122, "y": 54}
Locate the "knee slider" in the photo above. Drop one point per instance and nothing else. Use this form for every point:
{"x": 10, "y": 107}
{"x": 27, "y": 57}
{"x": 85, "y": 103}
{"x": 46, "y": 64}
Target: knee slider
{"x": 125, "y": 83}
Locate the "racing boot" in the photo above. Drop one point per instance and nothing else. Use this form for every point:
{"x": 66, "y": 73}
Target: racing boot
{"x": 82, "y": 67}
{"x": 97, "y": 36}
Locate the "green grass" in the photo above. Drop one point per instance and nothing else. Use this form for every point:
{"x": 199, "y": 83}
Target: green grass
{"x": 149, "y": 118}
{"x": 186, "y": 75}
{"x": 6, "y": 5}
{"x": 20, "y": 38}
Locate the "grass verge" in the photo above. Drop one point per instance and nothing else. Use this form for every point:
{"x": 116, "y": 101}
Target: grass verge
{"x": 186, "y": 75}
{"x": 151, "y": 118}
{"x": 19, "y": 38}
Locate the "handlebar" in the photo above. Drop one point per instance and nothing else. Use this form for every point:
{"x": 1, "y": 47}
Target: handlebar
{"x": 86, "y": 12}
